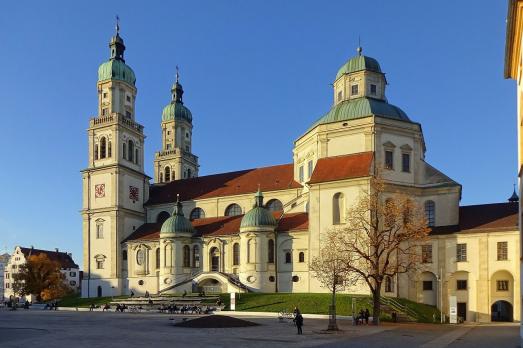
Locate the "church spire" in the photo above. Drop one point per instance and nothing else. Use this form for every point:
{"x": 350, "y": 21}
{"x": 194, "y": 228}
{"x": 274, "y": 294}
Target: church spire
{"x": 514, "y": 198}
{"x": 116, "y": 44}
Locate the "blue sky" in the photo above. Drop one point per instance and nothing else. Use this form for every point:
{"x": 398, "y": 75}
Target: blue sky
{"x": 256, "y": 74}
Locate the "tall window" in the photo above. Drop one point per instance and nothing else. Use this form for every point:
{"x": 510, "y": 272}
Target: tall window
{"x": 461, "y": 284}
{"x": 167, "y": 174}
{"x": 338, "y": 208}
{"x": 430, "y": 213}
{"x": 288, "y": 257}
{"x": 274, "y": 205}
{"x": 405, "y": 162}
{"x": 197, "y": 213}
{"x": 373, "y": 89}
{"x": 99, "y": 264}
{"x": 136, "y": 156}
{"x": 340, "y": 95}
{"x": 100, "y": 229}
{"x": 157, "y": 257}
{"x": 236, "y": 254}
{"x": 301, "y": 257}
{"x": 389, "y": 284}
{"x": 103, "y": 147}
{"x": 271, "y": 251}
{"x": 427, "y": 285}
{"x": 109, "y": 149}
{"x": 186, "y": 256}
{"x": 124, "y": 151}
{"x": 389, "y": 159}
{"x": 309, "y": 169}
{"x": 354, "y": 90}
{"x": 96, "y": 152}
{"x": 502, "y": 285}
{"x": 251, "y": 251}
{"x": 196, "y": 256}
{"x": 502, "y": 251}
{"x": 140, "y": 257}
{"x": 461, "y": 252}
{"x": 233, "y": 210}
{"x": 426, "y": 253}
{"x": 300, "y": 174}
{"x": 131, "y": 150}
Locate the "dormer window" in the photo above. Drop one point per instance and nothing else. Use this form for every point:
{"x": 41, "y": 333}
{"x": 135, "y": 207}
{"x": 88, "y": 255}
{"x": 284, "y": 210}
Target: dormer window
{"x": 354, "y": 90}
{"x": 373, "y": 89}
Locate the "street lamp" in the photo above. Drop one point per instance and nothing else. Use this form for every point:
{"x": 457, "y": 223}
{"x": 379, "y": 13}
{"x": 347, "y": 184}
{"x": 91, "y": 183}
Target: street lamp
{"x": 112, "y": 293}
{"x": 440, "y": 290}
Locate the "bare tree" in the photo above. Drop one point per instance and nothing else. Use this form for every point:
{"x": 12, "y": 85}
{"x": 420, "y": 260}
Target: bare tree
{"x": 381, "y": 238}
{"x": 331, "y": 271}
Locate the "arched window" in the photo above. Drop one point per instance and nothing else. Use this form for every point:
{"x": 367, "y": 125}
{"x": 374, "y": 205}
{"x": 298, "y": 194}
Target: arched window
{"x": 136, "y": 156}
{"x": 274, "y": 205}
{"x": 389, "y": 284}
{"x": 99, "y": 291}
{"x": 430, "y": 213}
{"x": 162, "y": 217}
{"x": 301, "y": 257}
{"x": 161, "y": 177}
{"x": 140, "y": 257}
{"x": 196, "y": 256}
{"x": 271, "y": 251}
{"x": 338, "y": 208}
{"x": 124, "y": 151}
{"x": 109, "y": 149}
{"x": 236, "y": 254}
{"x": 96, "y": 152}
{"x": 103, "y": 147}
{"x": 233, "y": 210}
{"x": 288, "y": 257}
{"x": 186, "y": 256}
{"x": 157, "y": 257}
{"x": 197, "y": 213}
{"x": 167, "y": 174}
{"x": 251, "y": 251}
{"x": 189, "y": 172}
{"x": 131, "y": 150}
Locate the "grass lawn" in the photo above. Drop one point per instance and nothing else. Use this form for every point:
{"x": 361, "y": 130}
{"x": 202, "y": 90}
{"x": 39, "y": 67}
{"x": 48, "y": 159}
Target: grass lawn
{"x": 317, "y": 304}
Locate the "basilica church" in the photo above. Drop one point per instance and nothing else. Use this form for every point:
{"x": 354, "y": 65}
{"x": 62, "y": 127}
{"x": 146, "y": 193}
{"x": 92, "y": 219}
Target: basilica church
{"x": 256, "y": 230}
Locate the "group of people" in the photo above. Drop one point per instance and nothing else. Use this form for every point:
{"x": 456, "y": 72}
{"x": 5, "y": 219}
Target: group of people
{"x": 184, "y": 309}
{"x": 362, "y": 317}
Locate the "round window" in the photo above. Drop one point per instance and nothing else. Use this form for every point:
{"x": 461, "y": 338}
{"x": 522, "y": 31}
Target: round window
{"x": 295, "y": 279}
{"x": 271, "y": 279}
{"x": 140, "y": 282}
{"x": 140, "y": 257}
{"x": 167, "y": 280}
{"x": 251, "y": 279}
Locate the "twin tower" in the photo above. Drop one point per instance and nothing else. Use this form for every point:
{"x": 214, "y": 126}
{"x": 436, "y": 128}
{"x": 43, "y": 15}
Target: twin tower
{"x": 115, "y": 186}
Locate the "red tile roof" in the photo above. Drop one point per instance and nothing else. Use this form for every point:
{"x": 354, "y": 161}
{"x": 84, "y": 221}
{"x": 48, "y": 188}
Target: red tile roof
{"x": 222, "y": 226}
{"x": 342, "y": 167}
{"x": 483, "y": 217}
{"x": 65, "y": 260}
{"x": 273, "y": 178}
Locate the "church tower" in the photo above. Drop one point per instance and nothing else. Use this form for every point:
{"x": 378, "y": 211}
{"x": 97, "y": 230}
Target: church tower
{"x": 175, "y": 160}
{"x": 114, "y": 184}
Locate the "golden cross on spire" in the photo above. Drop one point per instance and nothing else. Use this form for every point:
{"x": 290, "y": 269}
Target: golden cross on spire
{"x": 117, "y": 25}
{"x": 177, "y": 73}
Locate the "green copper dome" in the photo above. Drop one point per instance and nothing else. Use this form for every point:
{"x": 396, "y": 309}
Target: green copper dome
{"x": 177, "y": 223}
{"x": 258, "y": 216}
{"x": 176, "y": 110}
{"x": 362, "y": 107}
{"x": 116, "y": 70}
{"x": 359, "y": 63}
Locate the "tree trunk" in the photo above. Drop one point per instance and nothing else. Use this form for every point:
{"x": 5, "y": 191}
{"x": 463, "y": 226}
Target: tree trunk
{"x": 333, "y": 326}
{"x": 376, "y": 310}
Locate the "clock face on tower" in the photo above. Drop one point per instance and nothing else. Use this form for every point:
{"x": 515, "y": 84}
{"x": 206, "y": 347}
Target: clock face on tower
{"x": 99, "y": 190}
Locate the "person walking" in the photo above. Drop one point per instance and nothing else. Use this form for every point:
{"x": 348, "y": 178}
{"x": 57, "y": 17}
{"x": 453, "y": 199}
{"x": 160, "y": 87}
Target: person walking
{"x": 299, "y": 322}
{"x": 367, "y": 315}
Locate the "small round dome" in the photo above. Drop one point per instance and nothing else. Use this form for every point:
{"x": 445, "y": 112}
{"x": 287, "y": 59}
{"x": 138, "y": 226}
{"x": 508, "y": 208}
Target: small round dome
{"x": 176, "y": 110}
{"x": 359, "y": 63}
{"x": 116, "y": 70}
{"x": 259, "y": 215}
{"x": 177, "y": 223}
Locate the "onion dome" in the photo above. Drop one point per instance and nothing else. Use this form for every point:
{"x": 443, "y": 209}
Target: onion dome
{"x": 258, "y": 216}
{"x": 176, "y": 110}
{"x": 177, "y": 223}
{"x": 115, "y": 68}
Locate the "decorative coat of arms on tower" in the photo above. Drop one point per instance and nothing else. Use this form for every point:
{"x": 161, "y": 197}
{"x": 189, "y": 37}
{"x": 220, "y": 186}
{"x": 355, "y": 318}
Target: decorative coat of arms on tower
{"x": 133, "y": 193}
{"x": 99, "y": 190}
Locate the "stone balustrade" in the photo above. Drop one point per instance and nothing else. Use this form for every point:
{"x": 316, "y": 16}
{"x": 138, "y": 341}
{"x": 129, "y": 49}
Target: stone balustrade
{"x": 116, "y": 118}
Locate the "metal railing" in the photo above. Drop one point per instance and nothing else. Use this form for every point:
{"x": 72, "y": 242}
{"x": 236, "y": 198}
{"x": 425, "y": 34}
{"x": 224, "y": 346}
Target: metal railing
{"x": 399, "y": 307}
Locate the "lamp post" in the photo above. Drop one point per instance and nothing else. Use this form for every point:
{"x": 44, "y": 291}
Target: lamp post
{"x": 440, "y": 281}
{"x": 112, "y": 293}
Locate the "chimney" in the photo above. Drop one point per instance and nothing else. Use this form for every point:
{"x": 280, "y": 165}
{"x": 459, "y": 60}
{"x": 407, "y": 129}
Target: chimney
{"x": 56, "y": 249}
